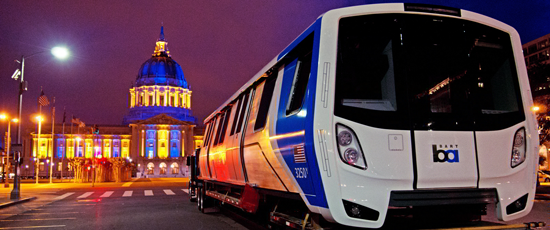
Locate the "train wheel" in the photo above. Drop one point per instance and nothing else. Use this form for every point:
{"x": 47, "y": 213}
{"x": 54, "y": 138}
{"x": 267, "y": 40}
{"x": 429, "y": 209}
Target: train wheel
{"x": 199, "y": 199}
{"x": 192, "y": 193}
{"x": 204, "y": 200}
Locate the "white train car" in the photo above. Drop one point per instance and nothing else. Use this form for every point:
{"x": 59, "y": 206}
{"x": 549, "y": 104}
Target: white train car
{"x": 374, "y": 108}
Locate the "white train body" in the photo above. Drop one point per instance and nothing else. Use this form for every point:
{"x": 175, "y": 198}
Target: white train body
{"x": 380, "y": 106}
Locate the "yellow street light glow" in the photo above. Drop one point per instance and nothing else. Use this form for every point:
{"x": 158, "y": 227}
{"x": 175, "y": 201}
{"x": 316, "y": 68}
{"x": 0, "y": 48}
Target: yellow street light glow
{"x": 39, "y": 118}
{"x": 15, "y": 120}
{"x": 3, "y": 116}
{"x": 60, "y": 52}
{"x": 535, "y": 108}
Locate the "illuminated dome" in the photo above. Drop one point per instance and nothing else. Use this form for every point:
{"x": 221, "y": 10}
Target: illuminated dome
{"x": 161, "y": 69}
{"x": 160, "y": 88}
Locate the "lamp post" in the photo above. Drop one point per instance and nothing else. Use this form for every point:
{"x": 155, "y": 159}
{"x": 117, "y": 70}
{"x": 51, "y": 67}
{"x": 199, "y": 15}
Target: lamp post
{"x": 8, "y": 145}
{"x": 39, "y": 119}
{"x": 58, "y": 52}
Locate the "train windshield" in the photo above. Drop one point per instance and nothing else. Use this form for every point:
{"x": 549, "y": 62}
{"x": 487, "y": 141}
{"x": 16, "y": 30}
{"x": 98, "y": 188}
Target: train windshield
{"x": 426, "y": 73}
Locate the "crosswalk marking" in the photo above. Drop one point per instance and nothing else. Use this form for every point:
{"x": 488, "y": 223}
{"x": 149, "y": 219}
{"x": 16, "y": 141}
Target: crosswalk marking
{"x": 64, "y": 196}
{"x": 85, "y": 195}
{"x": 127, "y": 193}
{"x": 107, "y": 194}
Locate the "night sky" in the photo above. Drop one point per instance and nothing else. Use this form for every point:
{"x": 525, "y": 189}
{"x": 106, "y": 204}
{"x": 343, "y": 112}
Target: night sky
{"x": 219, "y": 44}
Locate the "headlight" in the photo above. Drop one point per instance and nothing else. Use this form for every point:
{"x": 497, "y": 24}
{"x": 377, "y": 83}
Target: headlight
{"x": 349, "y": 147}
{"x": 518, "y": 149}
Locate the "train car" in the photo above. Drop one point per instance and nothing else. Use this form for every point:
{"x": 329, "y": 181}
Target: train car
{"x": 379, "y": 107}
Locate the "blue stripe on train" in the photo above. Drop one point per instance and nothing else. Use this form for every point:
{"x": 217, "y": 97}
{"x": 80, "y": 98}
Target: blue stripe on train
{"x": 292, "y": 149}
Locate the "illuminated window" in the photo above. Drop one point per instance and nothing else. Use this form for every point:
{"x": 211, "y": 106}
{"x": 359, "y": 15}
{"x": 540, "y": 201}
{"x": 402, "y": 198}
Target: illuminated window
{"x": 70, "y": 148}
{"x": 162, "y": 168}
{"x": 125, "y": 148}
{"x": 116, "y": 148}
{"x": 107, "y": 148}
{"x": 175, "y": 168}
{"x": 89, "y": 148}
{"x": 150, "y": 168}
{"x": 41, "y": 166}
{"x": 162, "y": 144}
{"x": 59, "y": 166}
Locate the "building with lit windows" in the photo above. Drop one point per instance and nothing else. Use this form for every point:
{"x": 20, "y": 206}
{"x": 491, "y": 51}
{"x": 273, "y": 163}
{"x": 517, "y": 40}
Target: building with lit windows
{"x": 155, "y": 135}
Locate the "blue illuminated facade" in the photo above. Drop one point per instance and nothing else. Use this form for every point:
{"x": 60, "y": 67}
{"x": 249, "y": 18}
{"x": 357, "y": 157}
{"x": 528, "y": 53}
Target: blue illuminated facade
{"x": 160, "y": 115}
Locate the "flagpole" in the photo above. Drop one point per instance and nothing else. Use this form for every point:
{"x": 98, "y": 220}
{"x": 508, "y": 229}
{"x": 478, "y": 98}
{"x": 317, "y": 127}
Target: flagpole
{"x": 38, "y": 145}
{"x": 53, "y": 140}
{"x": 64, "y": 143}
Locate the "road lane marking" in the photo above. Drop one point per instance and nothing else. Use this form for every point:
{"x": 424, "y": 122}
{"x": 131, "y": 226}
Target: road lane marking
{"x": 148, "y": 192}
{"x": 107, "y": 194}
{"x": 21, "y": 220}
{"x": 64, "y": 196}
{"x": 169, "y": 192}
{"x": 85, "y": 195}
{"x": 25, "y": 227}
{"x": 127, "y": 193}
{"x": 185, "y": 190}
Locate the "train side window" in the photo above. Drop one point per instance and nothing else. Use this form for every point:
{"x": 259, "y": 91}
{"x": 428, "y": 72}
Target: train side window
{"x": 215, "y": 129}
{"x": 265, "y": 101}
{"x": 218, "y": 129}
{"x": 302, "y": 52}
{"x": 212, "y": 124}
{"x": 243, "y": 112}
{"x": 206, "y": 134}
{"x": 227, "y": 114}
{"x": 299, "y": 85}
{"x": 236, "y": 117}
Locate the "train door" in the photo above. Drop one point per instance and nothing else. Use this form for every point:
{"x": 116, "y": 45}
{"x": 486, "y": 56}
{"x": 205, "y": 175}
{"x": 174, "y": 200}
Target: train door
{"x": 235, "y": 137}
{"x": 292, "y": 115}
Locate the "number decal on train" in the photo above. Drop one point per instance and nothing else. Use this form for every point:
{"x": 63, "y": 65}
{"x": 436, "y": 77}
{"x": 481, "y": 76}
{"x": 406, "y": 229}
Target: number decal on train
{"x": 301, "y": 173}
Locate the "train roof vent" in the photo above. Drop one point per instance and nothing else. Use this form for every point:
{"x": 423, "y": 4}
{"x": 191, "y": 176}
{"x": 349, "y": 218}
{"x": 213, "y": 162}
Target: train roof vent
{"x": 432, "y": 9}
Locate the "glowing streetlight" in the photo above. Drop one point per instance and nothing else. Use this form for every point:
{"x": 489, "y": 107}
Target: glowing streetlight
{"x": 8, "y": 146}
{"x": 535, "y": 108}
{"x": 58, "y": 52}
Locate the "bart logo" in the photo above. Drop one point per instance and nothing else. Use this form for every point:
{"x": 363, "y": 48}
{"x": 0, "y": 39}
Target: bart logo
{"x": 445, "y": 155}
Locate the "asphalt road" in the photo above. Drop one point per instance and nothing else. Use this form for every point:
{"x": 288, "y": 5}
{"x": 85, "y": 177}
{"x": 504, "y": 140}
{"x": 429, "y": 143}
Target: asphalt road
{"x": 144, "y": 204}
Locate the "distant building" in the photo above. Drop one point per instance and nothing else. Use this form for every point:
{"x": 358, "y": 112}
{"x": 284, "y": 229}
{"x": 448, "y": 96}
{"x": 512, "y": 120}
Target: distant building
{"x": 537, "y": 51}
{"x": 537, "y": 54}
{"x": 156, "y": 134}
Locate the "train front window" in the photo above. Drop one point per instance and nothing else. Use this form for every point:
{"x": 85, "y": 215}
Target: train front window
{"x": 425, "y": 72}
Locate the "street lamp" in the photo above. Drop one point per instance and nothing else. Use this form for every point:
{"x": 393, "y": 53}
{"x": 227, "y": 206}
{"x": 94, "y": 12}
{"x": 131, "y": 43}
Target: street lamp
{"x": 58, "y": 52}
{"x": 39, "y": 119}
{"x": 8, "y": 145}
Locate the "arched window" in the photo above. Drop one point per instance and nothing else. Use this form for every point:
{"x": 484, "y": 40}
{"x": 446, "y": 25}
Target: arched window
{"x": 150, "y": 168}
{"x": 162, "y": 168}
{"x": 175, "y": 168}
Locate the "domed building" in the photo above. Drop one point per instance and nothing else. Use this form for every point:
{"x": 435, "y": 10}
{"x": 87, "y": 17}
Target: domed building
{"x": 160, "y": 87}
{"x": 160, "y": 115}
{"x": 156, "y": 135}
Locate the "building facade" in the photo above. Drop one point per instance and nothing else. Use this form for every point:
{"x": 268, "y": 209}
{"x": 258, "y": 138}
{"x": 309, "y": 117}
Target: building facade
{"x": 155, "y": 136}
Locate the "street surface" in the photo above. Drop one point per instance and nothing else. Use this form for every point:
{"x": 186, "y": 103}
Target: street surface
{"x": 143, "y": 204}
{"x": 160, "y": 203}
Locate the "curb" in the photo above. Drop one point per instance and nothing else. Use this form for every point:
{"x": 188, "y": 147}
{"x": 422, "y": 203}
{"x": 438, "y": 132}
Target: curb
{"x": 14, "y": 202}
